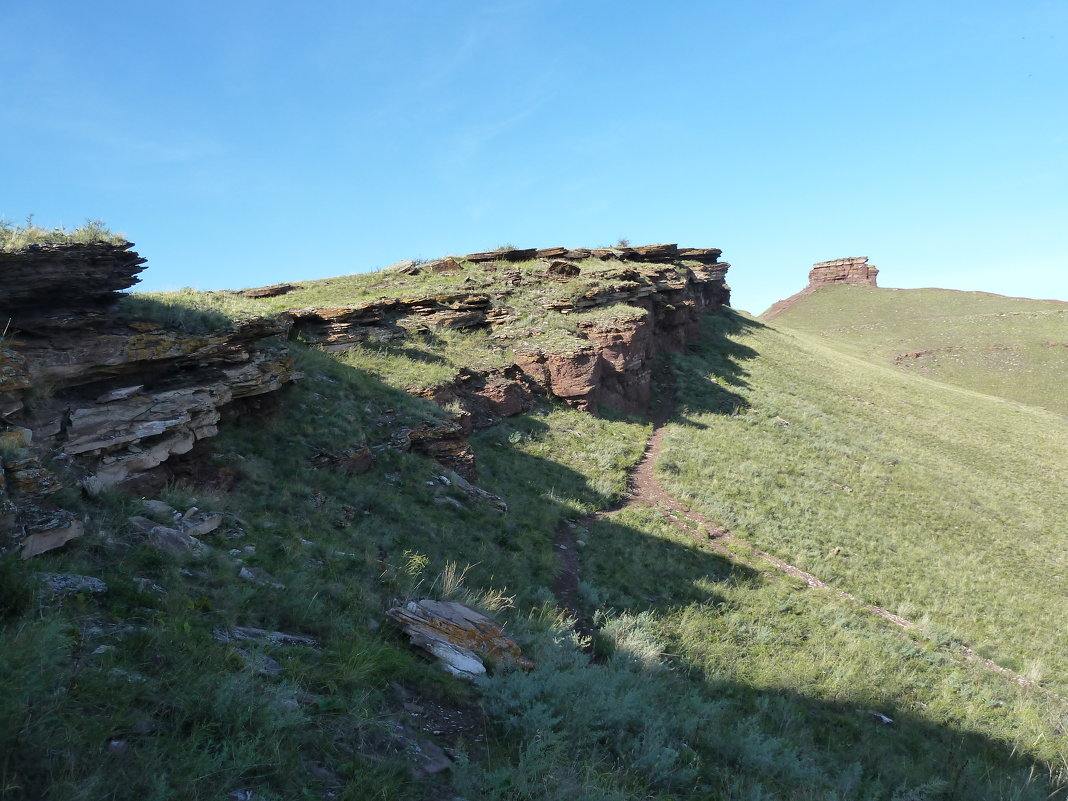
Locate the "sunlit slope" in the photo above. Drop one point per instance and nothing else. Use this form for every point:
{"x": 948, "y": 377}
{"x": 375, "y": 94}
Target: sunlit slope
{"x": 945, "y": 506}
{"x": 1010, "y": 347}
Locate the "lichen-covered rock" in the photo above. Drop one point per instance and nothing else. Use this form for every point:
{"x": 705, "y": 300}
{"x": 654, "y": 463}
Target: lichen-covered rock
{"x": 112, "y": 397}
{"x": 458, "y": 636}
{"x": 73, "y": 584}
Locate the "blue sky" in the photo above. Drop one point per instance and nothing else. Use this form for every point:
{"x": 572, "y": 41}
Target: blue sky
{"x": 241, "y": 144}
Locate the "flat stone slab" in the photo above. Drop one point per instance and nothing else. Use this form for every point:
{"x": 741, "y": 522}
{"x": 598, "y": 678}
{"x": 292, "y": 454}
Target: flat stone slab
{"x": 458, "y": 636}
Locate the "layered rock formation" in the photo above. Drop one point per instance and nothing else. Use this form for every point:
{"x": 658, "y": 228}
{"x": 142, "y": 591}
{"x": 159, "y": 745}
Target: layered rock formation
{"x": 853, "y": 270}
{"x": 661, "y": 289}
{"x": 109, "y": 399}
{"x": 105, "y": 399}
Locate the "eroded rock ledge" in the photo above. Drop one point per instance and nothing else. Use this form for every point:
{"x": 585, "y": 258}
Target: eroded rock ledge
{"x": 661, "y": 289}
{"x": 853, "y": 270}
{"x": 109, "y": 398}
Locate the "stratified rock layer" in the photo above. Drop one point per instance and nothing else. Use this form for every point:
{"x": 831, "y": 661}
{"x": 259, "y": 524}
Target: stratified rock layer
{"x": 853, "y": 270}
{"x": 660, "y": 288}
{"x": 80, "y": 276}
{"x": 111, "y": 398}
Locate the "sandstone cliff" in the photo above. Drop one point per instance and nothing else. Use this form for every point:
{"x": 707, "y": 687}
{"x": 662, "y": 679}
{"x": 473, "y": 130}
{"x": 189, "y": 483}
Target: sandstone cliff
{"x": 107, "y": 399}
{"x": 854, "y": 270}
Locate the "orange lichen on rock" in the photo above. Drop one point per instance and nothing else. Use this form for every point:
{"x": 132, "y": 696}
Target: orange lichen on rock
{"x": 459, "y": 636}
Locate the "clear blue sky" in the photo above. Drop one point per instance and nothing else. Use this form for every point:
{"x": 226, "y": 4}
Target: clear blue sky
{"x": 245, "y": 143}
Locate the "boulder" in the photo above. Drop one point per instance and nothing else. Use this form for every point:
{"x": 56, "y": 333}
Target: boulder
{"x": 42, "y": 541}
{"x": 458, "y": 636}
{"x": 73, "y": 584}
{"x": 446, "y": 265}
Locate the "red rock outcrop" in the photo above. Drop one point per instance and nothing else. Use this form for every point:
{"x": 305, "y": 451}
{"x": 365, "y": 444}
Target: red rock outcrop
{"x": 615, "y": 369}
{"x": 853, "y": 270}
{"x": 109, "y": 398}
{"x": 484, "y": 396}
{"x": 573, "y": 376}
{"x": 668, "y": 285}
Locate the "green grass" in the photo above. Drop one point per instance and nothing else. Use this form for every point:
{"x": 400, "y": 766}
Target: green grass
{"x": 1009, "y": 347}
{"x": 523, "y": 301}
{"x": 15, "y": 237}
{"x": 787, "y": 678}
{"x": 345, "y": 547}
{"x": 942, "y": 505}
{"x": 430, "y": 360}
{"x": 713, "y": 680}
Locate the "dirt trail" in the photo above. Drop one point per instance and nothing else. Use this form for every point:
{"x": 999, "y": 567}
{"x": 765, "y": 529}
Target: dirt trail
{"x": 645, "y": 490}
{"x": 566, "y": 580}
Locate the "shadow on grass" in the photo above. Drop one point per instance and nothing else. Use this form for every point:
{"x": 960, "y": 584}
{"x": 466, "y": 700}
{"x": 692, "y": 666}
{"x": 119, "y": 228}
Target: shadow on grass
{"x": 705, "y": 378}
{"x": 720, "y": 736}
{"x": 630, "y": 721}
{"x": 182, "y": 316}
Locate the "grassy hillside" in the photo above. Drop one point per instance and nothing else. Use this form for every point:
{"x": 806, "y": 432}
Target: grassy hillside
{"x": 712, "y": 676}
{"x": 1009, "y": 347}
{"x": 939, "y": 504}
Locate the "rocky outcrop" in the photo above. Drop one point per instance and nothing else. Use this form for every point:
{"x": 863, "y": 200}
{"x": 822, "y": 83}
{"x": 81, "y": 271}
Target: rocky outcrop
{"x": 42, "y": 278}
{"x": 572, "y": 376}
{"x": 642, "y": 253}
{"x": 484, "y": 396}
{"x": 459, "y": 637}
{"x": 660, "y": 289}
{"x": 659, "y": 313}
{"x": 269, "y": 291}
{"x": 92, "y": 396}
{"x": 336, "y": 329}
{"x": 854, "y": 270}
{"x": 108, "y": 399}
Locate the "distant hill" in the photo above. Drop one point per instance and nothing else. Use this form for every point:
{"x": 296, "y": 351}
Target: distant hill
{"x": 1013, "y": 348}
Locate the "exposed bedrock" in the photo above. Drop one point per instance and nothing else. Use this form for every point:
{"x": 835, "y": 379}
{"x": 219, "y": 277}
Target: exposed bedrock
{"x": 853, "y": 270}
{"x": 92, "y": 396}
{"x": 661, "y": 289}
{"x": 109, "y": 399}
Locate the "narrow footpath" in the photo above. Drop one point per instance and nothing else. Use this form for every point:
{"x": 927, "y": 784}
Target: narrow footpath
{"x": 645, "y": 490}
